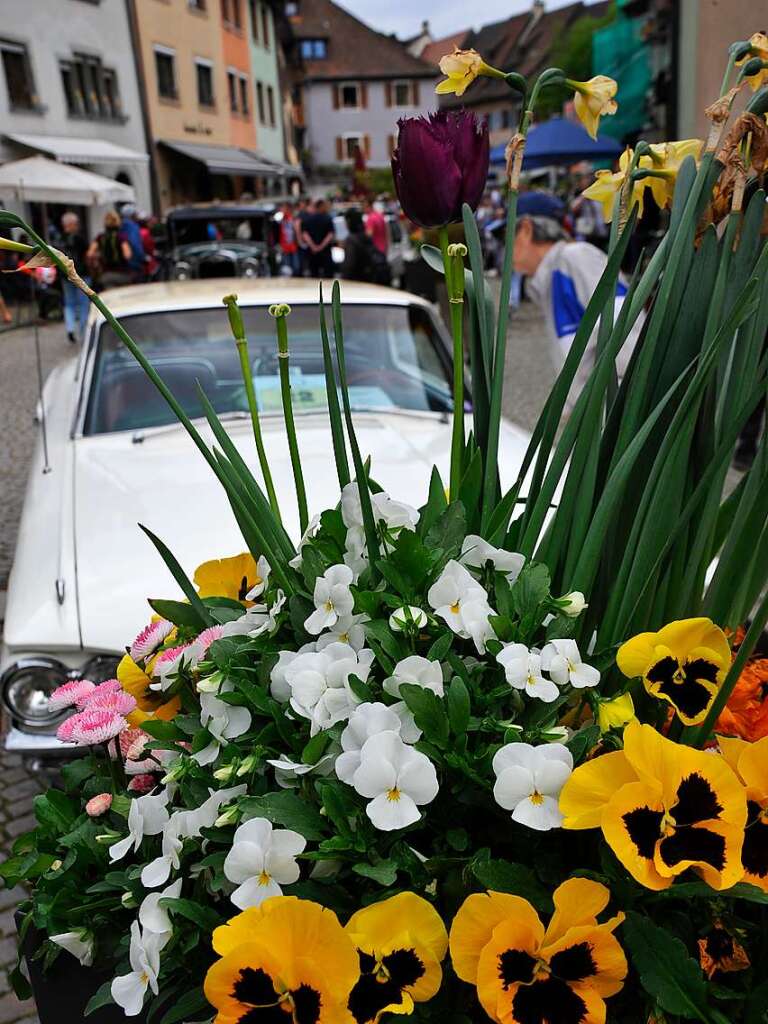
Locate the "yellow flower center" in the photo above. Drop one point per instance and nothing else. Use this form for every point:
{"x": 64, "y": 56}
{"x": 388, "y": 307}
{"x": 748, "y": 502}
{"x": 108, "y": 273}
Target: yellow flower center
{"x": 541, "y": 969}
{"x": 536, "y": 798}
{"x": 393, "y": 795}
{"x": 144, "y": 978}
{"x": 265, "y": 878}
{"x": 455, "y": 608}
{"x": 328, "y": 606}
{"x": 344, "y": 638}
{"x": 668, "y": 824}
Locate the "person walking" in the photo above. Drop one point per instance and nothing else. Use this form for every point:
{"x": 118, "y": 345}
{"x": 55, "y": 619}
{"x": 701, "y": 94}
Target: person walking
{"x": 287, "y": 240}
{"x": 363, "y": 261}
{"x": 132, "y": 234}
{"x": 376, "y": 227}
{"x": 109, "y": 254}
{"x": 76, "y": 303}
{"x": 318, "y": 237}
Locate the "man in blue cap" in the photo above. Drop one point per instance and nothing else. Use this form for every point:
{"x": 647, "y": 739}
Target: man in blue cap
{"x": 562, "y": 276}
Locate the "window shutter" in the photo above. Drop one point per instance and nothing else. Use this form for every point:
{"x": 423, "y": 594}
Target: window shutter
{"x": 336, "y": 97}
{"x": 415, "y": 90}
{"x": 367, "y": 146}
{"x": 388, "y": 93}
{"x": 363, "y": 95}
{"x": 339, "y": 148}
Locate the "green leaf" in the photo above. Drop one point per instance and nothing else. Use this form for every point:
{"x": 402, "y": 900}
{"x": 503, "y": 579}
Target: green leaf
{"x": 436, "y": 503}
{"x": 191, "y": 1005}
{"x": 449, "y": 530}
{"x": 103, "y": 997}
{"x": 315, "y": 748}
{"x": 458, "y": 703}
{"x": 205, "y": 917}
{"x": 428, "y": 712}
{"x": 530, "y": 588}
{"x": 167, "y": 732}
{"x": 286, "y": 809}
{"x": 338, "y": 807}
{"x": 55, "y": 811}
{"x": 184, "y": 582}
{"x": 756, "y": 1006}
{"x": 667, "y": 972}
{"x": 178, "y": 612}
{"x": 517, "y": 879}
{"x": 385, "y": 872}
{"x": 439, "y": 649}
{"x": 582, "y": 742}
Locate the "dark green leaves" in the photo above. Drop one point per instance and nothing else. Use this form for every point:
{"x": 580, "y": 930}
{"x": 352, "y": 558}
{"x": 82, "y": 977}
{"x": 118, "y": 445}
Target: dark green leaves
{"x": 287, "y": 809}
{"x": 428, "y": 712}
{"x": 517, "y": 879}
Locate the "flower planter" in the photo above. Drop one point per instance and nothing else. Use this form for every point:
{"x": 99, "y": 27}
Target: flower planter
{"x": 62, "y": 992}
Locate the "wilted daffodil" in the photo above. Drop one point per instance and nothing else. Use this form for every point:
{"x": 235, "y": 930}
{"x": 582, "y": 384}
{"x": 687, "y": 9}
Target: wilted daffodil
{"x": 758, "y": 48}
{"x": 287, "y": 960}
{"x": 663, "y": 808}
{"x": 750, "y": 762}
{"x": 684, "y": 664}
{"x": 526, "y": 973}
{"x": 401, "y": 942}
{"x": 608, "y": 183}
{"x": 593, "y": 100}
{"x": 233, "y": 577}
{"x": 462, "y": 67}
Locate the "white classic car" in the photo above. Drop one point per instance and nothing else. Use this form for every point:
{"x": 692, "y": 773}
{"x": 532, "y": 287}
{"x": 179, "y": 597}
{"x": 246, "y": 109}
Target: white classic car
{"x": 83, "y": 569}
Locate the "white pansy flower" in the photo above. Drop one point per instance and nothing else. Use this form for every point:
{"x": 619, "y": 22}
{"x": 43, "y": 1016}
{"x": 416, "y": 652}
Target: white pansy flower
{"x": 223, "y": 721}
{"x": 522, "y": 669}
{"x": 279, "y": 687}
{"x": 529, "y": 780}
{"x": 417, "y": 671}
{"x": 572, "y": 604}
{"x": 153, "y": 917}
{"x": 261, "y": 618}
{"x": 147, "y": 816}
{"x": 355, "y": 551}
{"x": 310, "y": 532}
{"x": 319, "y": 684}
{"x": 476, "y": 553}
{"x": 348, "y": 629}
{"x": 262, "y": 859}
{"x": 288, "y": 772}
{"x": 396, "y": 779}
{"x": 263, "y": 569}
{"x": 409, "y": 617}
{"x": 395, "y": 515}
{"x": 462, "y": 603}
{"x": 365, "y": 721}
{"x": 333, "y": 598}
{"x": 562, "y": 660}
{"x": 128, "y": 990}
{"x": 78, "y": 943}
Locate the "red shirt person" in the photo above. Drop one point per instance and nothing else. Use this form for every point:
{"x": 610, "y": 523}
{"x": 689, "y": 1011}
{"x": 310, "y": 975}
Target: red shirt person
{"x": 376, "y": 227}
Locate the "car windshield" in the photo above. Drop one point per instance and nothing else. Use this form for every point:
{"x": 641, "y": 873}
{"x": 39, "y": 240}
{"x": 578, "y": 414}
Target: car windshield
{"x": 219, "y": 229}
{"x": 394, "y": 356}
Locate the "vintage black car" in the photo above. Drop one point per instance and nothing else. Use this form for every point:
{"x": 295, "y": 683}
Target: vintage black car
{"x": 220, "y": 240}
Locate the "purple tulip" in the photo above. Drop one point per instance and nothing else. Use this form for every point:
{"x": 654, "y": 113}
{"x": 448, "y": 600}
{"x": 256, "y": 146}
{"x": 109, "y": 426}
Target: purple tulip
{"x": 441, "y": 162}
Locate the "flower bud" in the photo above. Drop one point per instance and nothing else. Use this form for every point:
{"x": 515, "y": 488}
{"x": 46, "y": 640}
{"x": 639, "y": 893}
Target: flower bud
{"x": 614, "y": 714}
{"x": 143, "y": 783}
{"x": 211, "y": 683}
{"x": 278, "y": 309}
{"x": 572, "y": 604}
{"x": 407, "y": 619}
{"x": 56, "y": 865}
{"x": 226, "y": 773}
{"x": 229, "y": 817}
{"x": 128, "y": 900}
{"x": 250, "y": 764}
{"x": 98, "y": 805}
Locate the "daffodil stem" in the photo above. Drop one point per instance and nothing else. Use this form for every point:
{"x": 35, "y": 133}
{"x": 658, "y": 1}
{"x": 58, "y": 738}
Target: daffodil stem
{"x": 241, "y": 343}
{"x": 290, "y": 426}
{"x": 454, "y": 279}
{"x": 728, "y": 72}
{"x": 11, "y": 246}
{"x": 697, "y": 738}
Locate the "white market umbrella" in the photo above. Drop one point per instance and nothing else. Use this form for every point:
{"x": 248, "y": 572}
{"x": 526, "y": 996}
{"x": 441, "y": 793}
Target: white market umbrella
{"x": 40, "y": 180}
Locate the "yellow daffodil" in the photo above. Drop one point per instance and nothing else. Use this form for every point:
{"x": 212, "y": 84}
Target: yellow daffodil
{"x": 684, "y": 664}
{"x": 149, "y": 703}
{"x": 593, "y": 100}
{"x": 462, "y": 67}
{"x": 228, "y": 577}
{"x": 287, "y": 960}
{"x": 758, "y": 48}
{"x": 663, "y": 808}
{"x": 666, "y": 158}
{"x": 401, "y": 942}
{"x": 614, "y": 714}
{"x": 750, "y": 762}
{"x": 524, "y": 972}
{"x": 608, "y": 183}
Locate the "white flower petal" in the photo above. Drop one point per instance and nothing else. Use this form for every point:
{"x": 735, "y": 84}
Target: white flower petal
{"x": 128, "y": 992}
{"x": 542, "y": 815}
{"x": 550, "y": 777}
{"x": 253, "y": 892}
{"x": 513, "y": 785}
{"x": 388, "y": 814}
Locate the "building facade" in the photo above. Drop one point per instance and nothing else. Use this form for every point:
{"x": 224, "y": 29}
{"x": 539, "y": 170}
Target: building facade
{"x": 69, "y": 89}
{"x": 352, "y": 85}
{"x": 265, "y": 70}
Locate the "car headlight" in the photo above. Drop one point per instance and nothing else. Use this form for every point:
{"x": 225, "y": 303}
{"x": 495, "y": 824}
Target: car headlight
{"x": 182, "y": 271}
{"x": 28, "y": 683}
{"x": 250, "y": 267}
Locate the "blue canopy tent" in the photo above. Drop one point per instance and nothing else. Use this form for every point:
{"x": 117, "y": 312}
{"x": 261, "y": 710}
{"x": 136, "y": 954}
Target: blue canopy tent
{"x": 560, "y": 141}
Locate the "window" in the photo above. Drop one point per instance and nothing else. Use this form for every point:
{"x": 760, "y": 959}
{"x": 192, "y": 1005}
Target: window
{"x": 90, "y": 89}
{"x": 204, "y": 71}
{"x": 18, "y": 76}
{"x": 230, "y": 13}
{"x": 506, "y": 118}
{"x": 265, "y": 25}
{"x": 271, "y": 104}
{"x": 243, "y": 86}
{"x": 402, "y": 94}
{"x": 232, "y": 84}
{"x": 350, "y": 96}
{"x": 198, "y": 5}
{"x": 260, "y": 102}
{"x": 254, "y": 6}
{"x": 165, "y": 68}
{"x": 313, "y": 49}
{"x": 352, "y": 143}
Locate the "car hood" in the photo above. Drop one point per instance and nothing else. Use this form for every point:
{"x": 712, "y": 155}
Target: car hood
{"x": 162, "y": 482}
{"x": 197, "y": 250}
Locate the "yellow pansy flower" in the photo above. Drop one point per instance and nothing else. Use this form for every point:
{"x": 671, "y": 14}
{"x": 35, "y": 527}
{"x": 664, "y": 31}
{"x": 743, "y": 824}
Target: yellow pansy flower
{"x": 750, "y": 762}
{"x": 758, "y": 48}
{"x": 401, "y": 942}
{"x": 614, "y": 714}
{"x": 149, "y": 703}
{"x": 608, "y": 183}
{"x": 593, "y": 100}
{"x": 462, "y": 67}
{"x": 684, "y": 664}
{"x": 227, "y": 577}
{"x": 287, "y": 956}
{"x": 524, "y": 971}
{"x": 663, "y": 808}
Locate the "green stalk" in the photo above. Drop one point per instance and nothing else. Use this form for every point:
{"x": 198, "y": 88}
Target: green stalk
{"x": 280, "y": 312}
{"x": 453, "y": 261}
{"x": 11, "y": 246}
{"x": 241, "y": 342}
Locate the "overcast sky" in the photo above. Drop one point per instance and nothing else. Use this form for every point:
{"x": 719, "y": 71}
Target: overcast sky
{"x": 445, "y": 16}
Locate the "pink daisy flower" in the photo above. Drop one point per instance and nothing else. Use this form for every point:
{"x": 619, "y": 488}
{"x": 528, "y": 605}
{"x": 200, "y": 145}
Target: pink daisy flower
{"x": 122, "y": 703}
{"x": 206, "y": 638}
{"x": 142, "y": 784}
{"x": 167, "y": 663}
{"x": 64, "y": 732}
{"x": 98, "y": 805}
{"x": 149, "y": 639}
{"x": 129, "y": 738}
{"x": 108, "y": 686}
{"x": 96, "y": 726}
{"x": 69, "y": 694}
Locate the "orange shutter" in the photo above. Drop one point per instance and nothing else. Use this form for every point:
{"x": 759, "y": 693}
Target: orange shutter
{"x": 415, "y": 89}
{"x": 367, "y": 146}
{"x": 388, "y": 94}
{"x": 339, "y": 148}
{"x": 336, "y": 97}
{"x": 363, "y": 95}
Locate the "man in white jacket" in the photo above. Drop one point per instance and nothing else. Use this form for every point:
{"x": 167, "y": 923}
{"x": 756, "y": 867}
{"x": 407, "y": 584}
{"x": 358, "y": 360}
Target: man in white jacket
{"x": 562, "y": 277}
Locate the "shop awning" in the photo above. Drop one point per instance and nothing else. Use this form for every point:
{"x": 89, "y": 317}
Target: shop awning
{"x": 39, "y": 180}
{"x": 69, "y": 150}
{"x": 221, "y": 159}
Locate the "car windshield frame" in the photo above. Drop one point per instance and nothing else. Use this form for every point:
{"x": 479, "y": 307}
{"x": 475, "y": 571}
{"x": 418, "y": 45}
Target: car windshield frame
{"x": 85, "y": 427}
